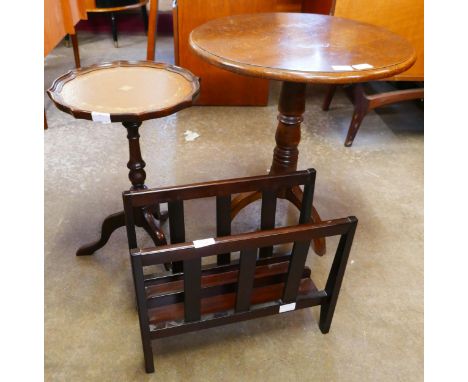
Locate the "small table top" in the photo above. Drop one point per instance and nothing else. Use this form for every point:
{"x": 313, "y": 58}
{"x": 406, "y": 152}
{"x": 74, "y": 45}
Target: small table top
{"x": 302, "y": 47}
{"x": 126, "y": 91}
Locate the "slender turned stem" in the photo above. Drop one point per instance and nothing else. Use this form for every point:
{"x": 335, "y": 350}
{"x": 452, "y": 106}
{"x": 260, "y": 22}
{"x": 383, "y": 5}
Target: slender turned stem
{"x": 144, "y": 216}
{"x": 288, "y": 133}
{"x": 136, "y": 164}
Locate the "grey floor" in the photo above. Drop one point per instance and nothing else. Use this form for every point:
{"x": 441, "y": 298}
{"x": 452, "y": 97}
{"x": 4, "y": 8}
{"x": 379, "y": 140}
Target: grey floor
{"x": 91, "y": 325}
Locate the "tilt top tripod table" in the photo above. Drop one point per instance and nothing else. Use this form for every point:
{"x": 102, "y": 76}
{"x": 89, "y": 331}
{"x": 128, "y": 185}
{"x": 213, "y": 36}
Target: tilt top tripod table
{"x": 297, "y": 49}
{"x": 129, "y": 92}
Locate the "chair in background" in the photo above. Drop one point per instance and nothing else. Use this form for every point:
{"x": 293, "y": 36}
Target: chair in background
{"x": 196, "y": 297}
{"x": 152, "y": 30}
{"x": 60, "y": 18}
{"x": 404, "y": 17}
{"x": 113, "y": 6}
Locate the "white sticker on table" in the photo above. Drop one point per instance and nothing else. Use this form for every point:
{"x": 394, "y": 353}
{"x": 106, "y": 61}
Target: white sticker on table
{"x": 203, "y": 242}
{"x": 287, "y": 307}
{"x": 362, "y": 66}
{"x": 100, "y": 117}
{"x": 342, "y": 68}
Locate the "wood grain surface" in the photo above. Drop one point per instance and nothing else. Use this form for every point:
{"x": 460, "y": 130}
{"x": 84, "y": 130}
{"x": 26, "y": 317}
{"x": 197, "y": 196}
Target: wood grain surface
{"x": 403, "y": 17}
{"x": 302, "y": 47}
{"x": 236, "y": 89}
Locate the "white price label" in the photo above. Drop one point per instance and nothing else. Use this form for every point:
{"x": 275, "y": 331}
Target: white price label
{"x": 100, "y": 117}
{"x": 362, "y": 66}
{"x": 287, "y": 307}
{"x": 342, "y": 68}
{"x": 203, "y": 242}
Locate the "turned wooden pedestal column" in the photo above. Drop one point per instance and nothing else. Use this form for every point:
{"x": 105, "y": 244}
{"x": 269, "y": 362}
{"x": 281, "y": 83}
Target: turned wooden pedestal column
{"x": 288, "y": 133}
{"x": 299, "y": 48}
{"x": 286, "y": 153}
{"x": 136, "y": 164}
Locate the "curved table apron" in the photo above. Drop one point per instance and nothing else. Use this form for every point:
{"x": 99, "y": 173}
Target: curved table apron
{"x": 299, "y": 48}
{"x": 129, "y": 92}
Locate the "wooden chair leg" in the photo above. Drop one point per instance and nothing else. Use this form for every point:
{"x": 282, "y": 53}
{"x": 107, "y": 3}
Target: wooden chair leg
{"x": 45, "y": 121}
{"x": 363, "y": 103}
{"x": 361, "y": 108}
{"x": 76, "y": 51}
{"x": 152, "y": 27}
{"x": 356, "y": 121}
{"x": 328, "y": 98}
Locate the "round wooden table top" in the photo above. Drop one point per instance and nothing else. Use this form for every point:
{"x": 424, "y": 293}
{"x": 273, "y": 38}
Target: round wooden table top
{"x": 302, "y": 47}
{"x": 124, "y": 91}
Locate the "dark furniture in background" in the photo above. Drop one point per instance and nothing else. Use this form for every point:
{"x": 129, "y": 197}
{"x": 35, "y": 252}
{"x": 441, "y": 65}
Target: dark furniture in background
{"x": 261, "y": 283}
{"x": 322, "y": 7}
{"x": 114, "y": 6}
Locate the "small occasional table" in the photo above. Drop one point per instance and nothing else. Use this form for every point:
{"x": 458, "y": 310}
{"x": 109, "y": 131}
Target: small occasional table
{"x": 127, "y": 92}
{"x": 298, "y": 49}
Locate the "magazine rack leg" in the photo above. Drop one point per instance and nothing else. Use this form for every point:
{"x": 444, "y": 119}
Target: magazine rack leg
{"x": 335, "y": 278}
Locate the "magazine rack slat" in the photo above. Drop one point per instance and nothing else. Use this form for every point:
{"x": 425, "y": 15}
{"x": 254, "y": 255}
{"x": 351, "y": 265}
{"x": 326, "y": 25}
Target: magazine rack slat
{"x": 259, "y": 284}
